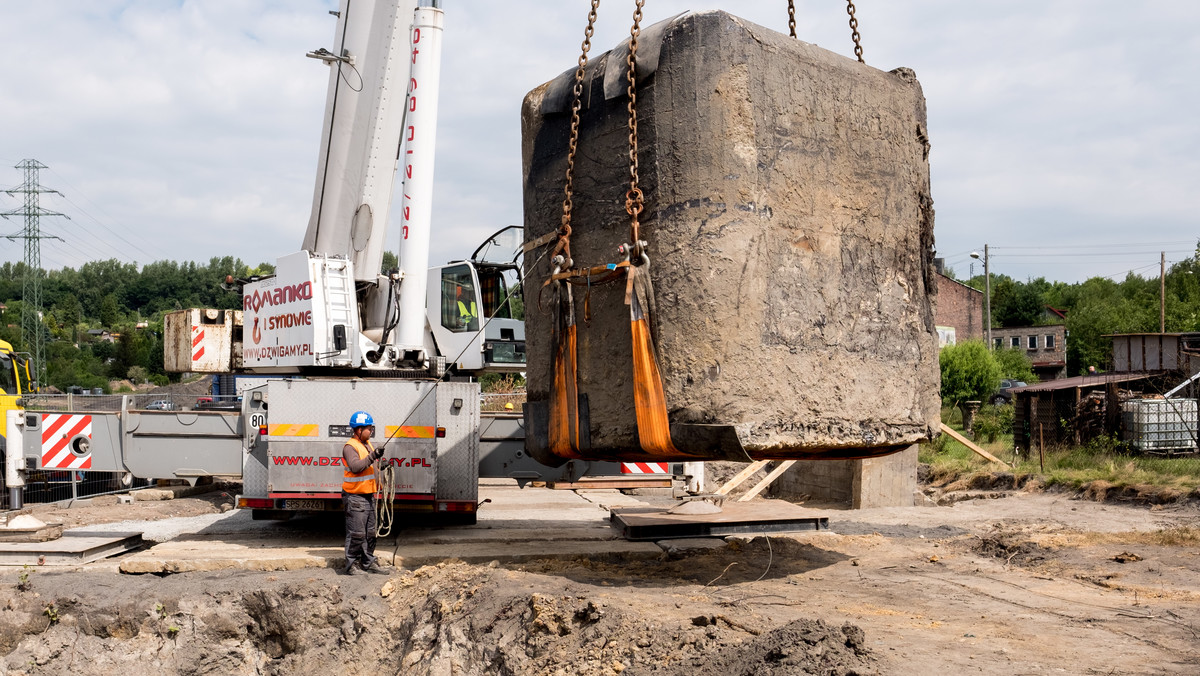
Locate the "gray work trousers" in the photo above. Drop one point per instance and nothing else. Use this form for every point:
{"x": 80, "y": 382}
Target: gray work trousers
{"x": 360, "y": 529}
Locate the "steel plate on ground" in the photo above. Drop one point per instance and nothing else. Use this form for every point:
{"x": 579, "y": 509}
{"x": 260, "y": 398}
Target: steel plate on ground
{"x": 73, "y": 548}
{"x": 735, "y": 518}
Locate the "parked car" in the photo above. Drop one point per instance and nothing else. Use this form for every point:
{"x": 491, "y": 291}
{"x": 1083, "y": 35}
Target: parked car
{"x": 161, "y": 405}
{"x": 1004, "y": 394}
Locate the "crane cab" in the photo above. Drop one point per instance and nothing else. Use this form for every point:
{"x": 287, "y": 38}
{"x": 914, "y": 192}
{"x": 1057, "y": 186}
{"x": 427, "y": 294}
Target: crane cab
{"x": 475, "y": 309}
{"x": 14, "y": 382}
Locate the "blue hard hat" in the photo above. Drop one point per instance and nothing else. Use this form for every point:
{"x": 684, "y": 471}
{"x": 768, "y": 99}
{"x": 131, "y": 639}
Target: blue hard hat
{"x": 361, "y": 419}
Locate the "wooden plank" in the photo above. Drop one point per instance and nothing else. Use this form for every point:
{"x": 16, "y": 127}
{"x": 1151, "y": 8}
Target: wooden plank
{"x": 741, "y": 476}
{"x": 967, "y": 442}
{"x": 767, "y": 481}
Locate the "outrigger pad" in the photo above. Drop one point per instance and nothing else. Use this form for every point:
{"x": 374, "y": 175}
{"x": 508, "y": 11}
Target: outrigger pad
{"x": 790, "y": 229}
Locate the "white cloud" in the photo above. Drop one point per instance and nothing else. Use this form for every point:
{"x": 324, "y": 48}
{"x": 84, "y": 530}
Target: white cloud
{"x": 191, "y": 128}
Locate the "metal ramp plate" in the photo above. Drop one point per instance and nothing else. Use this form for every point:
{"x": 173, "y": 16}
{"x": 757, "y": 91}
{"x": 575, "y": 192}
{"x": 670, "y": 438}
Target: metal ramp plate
{"x": 75, "y": 547}
{"x": 618, "y": 481}
{"x": 735, "y": 518}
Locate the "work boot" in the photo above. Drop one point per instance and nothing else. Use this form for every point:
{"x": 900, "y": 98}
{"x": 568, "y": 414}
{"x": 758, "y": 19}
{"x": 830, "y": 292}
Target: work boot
{"x": 353, "y": 570}
{"x": 376, "y": 569}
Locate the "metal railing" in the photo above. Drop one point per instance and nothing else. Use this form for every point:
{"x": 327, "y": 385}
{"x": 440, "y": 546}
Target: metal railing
{"x": 495, "y": 401}
{"x": 46, "y": 486}
{"x": 60, "y": 403}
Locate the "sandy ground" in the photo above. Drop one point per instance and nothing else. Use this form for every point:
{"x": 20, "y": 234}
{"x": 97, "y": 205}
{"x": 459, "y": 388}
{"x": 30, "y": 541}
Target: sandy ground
{"x": 997, "y": 583}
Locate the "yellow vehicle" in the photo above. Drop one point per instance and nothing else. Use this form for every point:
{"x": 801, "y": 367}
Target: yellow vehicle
{"x": 14, "y": 381}
{"x": 14, "y": 378}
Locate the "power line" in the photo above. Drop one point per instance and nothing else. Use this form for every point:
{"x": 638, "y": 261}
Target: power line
{"x": 1122, "y": 274}
{"x": 98, "y": 221}
{"x": 101, "y": 242}
{"x": 1086, "y": 253}
{"x": 1105, "y": 246}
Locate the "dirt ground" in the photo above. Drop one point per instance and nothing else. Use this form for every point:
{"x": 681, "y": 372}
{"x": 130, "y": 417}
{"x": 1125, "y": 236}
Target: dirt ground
{"x": 999, "y": 582}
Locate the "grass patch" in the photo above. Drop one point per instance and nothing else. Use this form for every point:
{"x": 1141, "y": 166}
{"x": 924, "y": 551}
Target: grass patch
{"x": 1101, "y": 469}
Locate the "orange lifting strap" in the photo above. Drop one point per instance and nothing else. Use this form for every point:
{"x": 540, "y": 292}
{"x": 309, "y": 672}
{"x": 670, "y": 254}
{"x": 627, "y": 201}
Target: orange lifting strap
{"x": 649, "y": 401}
{"x": 563, "y": 433}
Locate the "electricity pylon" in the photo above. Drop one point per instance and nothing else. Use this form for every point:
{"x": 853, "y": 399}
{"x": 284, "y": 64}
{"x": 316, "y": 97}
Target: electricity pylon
{"x": 31, "y": 292}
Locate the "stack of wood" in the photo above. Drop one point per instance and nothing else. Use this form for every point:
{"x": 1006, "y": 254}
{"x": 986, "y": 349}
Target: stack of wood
{"x": 1090, "y": 416}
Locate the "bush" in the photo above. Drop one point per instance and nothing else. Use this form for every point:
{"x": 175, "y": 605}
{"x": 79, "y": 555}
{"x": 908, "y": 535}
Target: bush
{"x": 986, "y": 428}
{"x": 969, "y": 372}
{"x": 1015, "y": 365}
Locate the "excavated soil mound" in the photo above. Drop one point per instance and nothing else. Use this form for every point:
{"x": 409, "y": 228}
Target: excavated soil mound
{"x": 451, "y": 618}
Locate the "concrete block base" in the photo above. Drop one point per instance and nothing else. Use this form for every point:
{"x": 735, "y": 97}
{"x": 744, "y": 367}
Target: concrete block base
{"x": 888, "y": 481}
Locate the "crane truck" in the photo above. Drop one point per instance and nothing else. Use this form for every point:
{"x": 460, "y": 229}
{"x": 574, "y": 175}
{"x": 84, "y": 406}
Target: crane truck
{"x": 332, "y": 333}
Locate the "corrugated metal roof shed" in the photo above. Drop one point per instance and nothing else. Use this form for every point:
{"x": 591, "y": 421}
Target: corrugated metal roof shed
{"x": 1098, "y": 380}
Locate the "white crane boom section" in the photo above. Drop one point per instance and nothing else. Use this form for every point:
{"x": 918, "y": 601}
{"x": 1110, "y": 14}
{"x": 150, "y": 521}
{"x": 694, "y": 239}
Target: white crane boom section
{"x": 420, "y": 135}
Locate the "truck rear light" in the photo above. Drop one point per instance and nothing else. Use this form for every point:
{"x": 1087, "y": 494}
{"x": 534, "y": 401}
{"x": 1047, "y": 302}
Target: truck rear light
{"x": 256, "y": 503}
{"x": 441, "y": 432}
{"x": 262, "y": 431}
{"x": 456, "y": 506}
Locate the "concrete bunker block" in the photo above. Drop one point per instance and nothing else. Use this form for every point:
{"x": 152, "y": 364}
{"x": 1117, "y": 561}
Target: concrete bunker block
{"x": 790, "y": 229}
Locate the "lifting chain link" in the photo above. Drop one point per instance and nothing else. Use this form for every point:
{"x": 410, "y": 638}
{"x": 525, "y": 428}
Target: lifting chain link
{"x": 564, "y": 231}
{"x": 792, "y": 17}
{"x": 633, "y": 198}
{"x": 854, "y": 31}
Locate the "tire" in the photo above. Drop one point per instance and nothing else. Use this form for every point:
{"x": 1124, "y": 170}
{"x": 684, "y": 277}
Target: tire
{"x": 999, "y": 400}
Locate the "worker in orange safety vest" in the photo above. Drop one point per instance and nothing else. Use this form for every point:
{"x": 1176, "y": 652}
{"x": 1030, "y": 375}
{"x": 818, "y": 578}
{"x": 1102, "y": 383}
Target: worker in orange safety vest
{"x": 358, "y": 496}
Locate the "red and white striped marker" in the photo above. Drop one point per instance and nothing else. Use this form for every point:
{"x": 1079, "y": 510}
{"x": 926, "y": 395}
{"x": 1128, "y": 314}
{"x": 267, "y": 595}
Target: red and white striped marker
{"x": 58, "y": 429}
{"x": 645, "y": 468}
{"x": 197, "y": 343}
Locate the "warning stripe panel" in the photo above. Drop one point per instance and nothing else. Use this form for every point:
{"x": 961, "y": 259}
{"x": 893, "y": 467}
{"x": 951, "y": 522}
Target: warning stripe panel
{"x": 645, "y": 468}
{"x": 58, "y": 429}
{"x": 409, "y": 432}
{"x": 197, "y": 346}
{"x": 292, "y": 430}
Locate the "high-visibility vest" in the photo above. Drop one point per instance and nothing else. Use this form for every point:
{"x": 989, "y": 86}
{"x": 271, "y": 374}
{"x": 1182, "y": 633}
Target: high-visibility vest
{"x": 364, "y": 482}
{"x": 466, "y": 314}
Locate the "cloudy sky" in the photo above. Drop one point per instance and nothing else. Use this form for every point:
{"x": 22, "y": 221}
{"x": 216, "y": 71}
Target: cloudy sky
{"x": 1064, "y": 132}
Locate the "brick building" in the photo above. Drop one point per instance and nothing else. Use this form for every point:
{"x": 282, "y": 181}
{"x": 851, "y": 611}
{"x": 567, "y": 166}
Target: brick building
{"x": 957, "y": 311}
{"x": 1046, "y": 347}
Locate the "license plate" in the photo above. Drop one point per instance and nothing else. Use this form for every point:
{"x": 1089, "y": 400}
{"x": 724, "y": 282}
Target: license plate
{"x": 306, "y": 505}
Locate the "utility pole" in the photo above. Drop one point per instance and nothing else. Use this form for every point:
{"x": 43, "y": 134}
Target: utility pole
{"x": 987, "y": 295}
{"x": 1162, "y": 292}
{"x": 31, "y": 291}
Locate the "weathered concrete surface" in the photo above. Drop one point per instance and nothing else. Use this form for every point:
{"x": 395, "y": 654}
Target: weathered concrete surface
{"x": 889, "y": 481}
{"x": 790, "y": 228}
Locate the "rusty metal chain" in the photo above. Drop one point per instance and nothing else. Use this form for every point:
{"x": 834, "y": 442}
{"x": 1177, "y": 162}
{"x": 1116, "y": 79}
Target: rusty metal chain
{"x": 854, "y": 31}
{"x": 564, "y": 231}
{"x": 633, "y": 198}
{"x": 792, "y": 17}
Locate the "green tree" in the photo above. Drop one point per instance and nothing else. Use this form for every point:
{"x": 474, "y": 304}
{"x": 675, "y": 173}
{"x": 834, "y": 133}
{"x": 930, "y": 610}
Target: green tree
{"x": 969, "y": 372}
{"x": 1014, "y": 364}
{"x": 1017, "y": 304}
{"x": 390, "y": 263}
{"x": 110, "y": 312}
